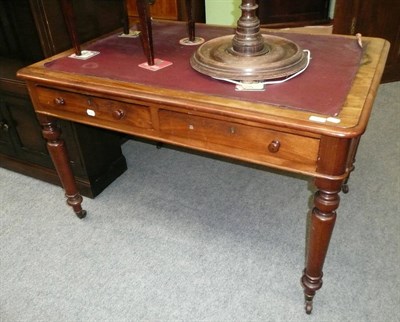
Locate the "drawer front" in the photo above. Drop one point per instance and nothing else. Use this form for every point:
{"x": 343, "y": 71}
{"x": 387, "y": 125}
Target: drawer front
{"x": 93, "y": 110}
{"x": 230, "y": 138}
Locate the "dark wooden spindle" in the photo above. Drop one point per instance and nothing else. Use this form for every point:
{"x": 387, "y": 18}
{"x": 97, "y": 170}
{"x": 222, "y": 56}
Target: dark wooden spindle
{"x": 146, "y": 29}
{"x": 248, "y": 40}
{"x": 125, "y": 17}
{"x": 190, "y": 21}
{"x": 69, "y": 17}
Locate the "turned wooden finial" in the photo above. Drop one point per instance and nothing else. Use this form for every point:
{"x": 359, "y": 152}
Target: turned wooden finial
{"x": 248, "y": 40}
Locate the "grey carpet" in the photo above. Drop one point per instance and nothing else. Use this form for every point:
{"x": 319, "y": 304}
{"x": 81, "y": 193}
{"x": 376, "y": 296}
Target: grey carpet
{"x": 184, "y": 237}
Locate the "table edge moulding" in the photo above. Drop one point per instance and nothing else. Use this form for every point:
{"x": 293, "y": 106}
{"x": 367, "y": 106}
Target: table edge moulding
{"x": 319, "y": 145}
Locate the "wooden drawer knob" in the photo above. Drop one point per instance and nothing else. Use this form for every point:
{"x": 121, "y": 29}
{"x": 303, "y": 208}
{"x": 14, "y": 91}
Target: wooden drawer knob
{"x": 59, "y": 101}
{"x": 4, "y": 126}
{"x": 118, "y": 114}
{"x": 274, "y": 146}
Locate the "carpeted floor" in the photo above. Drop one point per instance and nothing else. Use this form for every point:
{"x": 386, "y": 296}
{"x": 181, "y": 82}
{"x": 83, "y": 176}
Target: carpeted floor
{"x": 184, "y": 237}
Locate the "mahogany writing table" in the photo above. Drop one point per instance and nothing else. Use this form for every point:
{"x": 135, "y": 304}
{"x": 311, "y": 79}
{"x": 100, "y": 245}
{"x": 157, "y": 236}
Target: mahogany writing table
{"x": 309, "y": 125}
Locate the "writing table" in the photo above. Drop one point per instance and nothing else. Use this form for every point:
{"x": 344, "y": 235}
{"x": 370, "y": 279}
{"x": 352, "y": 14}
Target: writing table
{"x": 309, "y": 125}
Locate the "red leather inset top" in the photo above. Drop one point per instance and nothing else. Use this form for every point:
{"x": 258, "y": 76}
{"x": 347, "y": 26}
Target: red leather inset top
{"x": 322, "y": 88}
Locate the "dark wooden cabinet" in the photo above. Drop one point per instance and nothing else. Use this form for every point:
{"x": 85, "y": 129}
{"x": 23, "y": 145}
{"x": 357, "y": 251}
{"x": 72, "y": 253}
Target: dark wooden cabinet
{"x": 374, "y": 18}
{"x": 288, "y": 13}
{"x": 161, "y": 9}
{"x": 30, "y": 31}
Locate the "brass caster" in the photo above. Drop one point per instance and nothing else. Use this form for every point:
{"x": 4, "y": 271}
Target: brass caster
{"x": 81, "y": 214}
{"x": 308, "y": 306}
{"x": 308, "y": 303}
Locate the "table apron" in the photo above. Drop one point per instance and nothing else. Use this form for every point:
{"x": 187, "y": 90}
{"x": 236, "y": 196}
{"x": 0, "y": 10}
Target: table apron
{"x": 234, "y": 137}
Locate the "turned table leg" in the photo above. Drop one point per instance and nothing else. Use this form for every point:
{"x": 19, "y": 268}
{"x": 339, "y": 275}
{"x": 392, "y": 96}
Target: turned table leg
{"x": 326, "y": 201}
{"x": 58, "y": 153}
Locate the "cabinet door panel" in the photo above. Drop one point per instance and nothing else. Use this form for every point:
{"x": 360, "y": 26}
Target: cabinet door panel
{"x": 26, "y": 126}
{"x": 287, "y": 11}
{"x": 6, "y": 143}
{"x": 161, "y": 9}
{"x": 25, "y": 131}
{"x": 373, "y": 18}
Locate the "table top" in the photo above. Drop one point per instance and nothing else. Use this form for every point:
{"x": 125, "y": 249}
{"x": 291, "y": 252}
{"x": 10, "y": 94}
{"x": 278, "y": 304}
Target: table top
{"x": 333, "y": 96}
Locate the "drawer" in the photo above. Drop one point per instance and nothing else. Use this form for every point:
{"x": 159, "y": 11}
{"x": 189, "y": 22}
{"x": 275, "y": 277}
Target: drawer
{"x": 240, "y": 140}
{"x": 93, "y": 110}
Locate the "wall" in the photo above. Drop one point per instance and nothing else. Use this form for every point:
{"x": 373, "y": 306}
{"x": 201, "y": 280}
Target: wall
{"x": 222, "y": 12}
{"x": 332, "y": 8}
